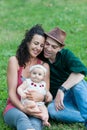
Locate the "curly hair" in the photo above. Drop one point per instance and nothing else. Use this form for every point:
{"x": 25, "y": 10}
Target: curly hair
{"x": 22, "y": 52}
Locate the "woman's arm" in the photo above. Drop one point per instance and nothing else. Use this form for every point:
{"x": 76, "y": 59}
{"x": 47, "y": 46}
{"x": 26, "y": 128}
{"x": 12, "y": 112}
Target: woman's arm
{"x": 48, "y": 97}
{"x": 47, "y": 77}
{"x": 12, "y": 81}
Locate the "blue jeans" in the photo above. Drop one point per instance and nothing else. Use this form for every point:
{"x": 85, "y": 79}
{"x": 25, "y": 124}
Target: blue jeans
{"x": 75, "y": 101}
{"x": 19, "y": 120}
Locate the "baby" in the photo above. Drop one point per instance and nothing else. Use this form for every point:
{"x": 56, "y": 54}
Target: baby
{"x": 36, "y": 82}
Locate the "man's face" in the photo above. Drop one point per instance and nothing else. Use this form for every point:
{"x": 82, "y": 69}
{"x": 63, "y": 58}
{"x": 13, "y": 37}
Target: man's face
{"x": 50, "y": 49}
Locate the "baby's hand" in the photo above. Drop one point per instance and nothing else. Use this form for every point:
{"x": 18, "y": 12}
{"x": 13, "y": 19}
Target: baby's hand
{"x": 48, "y": 97}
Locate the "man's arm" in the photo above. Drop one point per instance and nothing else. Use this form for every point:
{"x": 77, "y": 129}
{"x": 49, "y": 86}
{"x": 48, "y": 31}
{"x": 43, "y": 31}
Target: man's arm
{"x": 72, "y": 80}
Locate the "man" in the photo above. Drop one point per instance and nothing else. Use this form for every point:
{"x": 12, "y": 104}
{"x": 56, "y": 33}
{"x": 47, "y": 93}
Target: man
{"x": 67, "y": 84}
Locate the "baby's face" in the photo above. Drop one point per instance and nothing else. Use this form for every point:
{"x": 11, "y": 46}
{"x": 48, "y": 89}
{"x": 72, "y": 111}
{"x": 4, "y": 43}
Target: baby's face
{"x": 37, "y": 75}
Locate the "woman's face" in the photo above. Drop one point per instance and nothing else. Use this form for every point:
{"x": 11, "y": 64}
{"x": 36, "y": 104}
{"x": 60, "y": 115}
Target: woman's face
{"x": 36, "y": 45}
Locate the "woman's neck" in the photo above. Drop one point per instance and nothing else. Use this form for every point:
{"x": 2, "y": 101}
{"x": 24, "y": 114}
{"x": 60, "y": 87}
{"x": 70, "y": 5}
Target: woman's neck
{"x": 31, "y": 61}
{"x": 25, "y": 71}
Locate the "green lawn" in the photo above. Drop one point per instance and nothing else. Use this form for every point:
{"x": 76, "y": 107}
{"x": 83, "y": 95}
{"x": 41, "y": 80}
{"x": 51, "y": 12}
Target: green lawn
{"x": 16, "y": 16}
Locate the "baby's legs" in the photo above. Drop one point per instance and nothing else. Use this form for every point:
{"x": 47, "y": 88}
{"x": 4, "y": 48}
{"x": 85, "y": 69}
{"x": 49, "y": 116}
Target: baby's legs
{"x": 45, "y": 115}
{"x": 39, "y": 108}
{"x": 32, "y": 104}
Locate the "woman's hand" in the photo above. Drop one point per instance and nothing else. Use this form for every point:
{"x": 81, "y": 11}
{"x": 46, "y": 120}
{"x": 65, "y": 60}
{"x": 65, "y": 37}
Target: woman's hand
{"x": 23, "y": 96}
{"x": 32, "y": 110}
{"x": 34, "y": 96}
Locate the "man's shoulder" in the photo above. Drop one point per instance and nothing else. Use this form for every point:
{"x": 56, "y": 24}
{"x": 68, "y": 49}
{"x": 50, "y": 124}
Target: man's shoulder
{"x": 66, "y": 52}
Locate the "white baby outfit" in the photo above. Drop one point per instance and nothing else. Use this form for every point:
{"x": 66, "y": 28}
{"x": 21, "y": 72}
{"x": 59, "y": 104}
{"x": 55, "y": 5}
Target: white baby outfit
{"x": 40, "y": 87}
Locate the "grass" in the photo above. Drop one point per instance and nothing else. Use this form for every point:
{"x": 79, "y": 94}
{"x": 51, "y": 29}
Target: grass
{"x": 19, "y": 15}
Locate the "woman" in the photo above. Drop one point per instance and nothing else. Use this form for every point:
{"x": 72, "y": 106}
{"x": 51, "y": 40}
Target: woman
{"x": 15, "y": 114}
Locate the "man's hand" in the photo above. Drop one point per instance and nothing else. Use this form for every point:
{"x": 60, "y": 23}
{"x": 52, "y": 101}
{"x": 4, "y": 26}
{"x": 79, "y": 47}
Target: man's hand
{"x": 59, "y": 100}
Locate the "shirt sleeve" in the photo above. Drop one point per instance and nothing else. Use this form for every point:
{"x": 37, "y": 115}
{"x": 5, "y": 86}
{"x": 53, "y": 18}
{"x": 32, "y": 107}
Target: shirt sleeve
{"x": 74, "y": 64}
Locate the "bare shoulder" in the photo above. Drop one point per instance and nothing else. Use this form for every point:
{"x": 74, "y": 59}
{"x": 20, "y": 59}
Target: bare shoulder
{"x": 13, "y": 58}
{"x": 13, "y": 61}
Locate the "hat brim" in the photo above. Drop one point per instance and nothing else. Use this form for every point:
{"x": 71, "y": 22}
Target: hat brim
{"x": 54, "y": 39}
